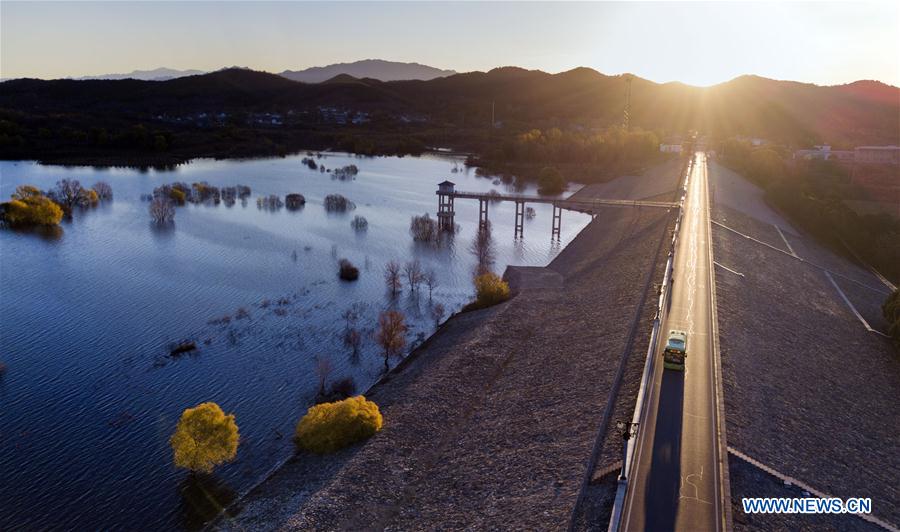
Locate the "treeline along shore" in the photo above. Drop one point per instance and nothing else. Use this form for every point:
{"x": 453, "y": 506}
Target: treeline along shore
{"x": 510, "y": 119}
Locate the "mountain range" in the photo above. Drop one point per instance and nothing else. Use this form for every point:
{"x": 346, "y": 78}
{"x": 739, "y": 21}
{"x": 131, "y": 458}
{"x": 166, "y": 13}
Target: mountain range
{"x": 459, "y": 107}
{"x": 157, "y": 74}
{"x": 367, "y": 68}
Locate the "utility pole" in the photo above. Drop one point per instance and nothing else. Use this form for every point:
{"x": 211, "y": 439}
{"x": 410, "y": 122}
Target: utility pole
{"x": 491, "y": 128}
{"x": 628, "y": 429}
{"x": 492, "y": 114}
{"x": 627, "y": 118}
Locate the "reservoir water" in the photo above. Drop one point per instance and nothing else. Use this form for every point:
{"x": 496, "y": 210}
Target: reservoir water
{"x": 90, "y": 395}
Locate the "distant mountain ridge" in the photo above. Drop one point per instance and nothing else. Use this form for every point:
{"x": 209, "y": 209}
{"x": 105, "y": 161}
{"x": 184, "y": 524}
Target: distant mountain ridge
{"x": 157, "y": 74}
{"x": 368, "y": 68}
{"x": 377, "y": 69}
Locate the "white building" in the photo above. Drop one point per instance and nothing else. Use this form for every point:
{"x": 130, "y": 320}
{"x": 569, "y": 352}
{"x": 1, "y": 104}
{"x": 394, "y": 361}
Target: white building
{"x": 670, "y": 148}
{"x": 754, "y": 141}
{"x": 818, "y": 152}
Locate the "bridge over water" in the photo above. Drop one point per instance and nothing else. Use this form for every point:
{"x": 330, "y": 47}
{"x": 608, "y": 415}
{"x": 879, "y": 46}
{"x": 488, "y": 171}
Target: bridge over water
{"x": 447, "y": 195}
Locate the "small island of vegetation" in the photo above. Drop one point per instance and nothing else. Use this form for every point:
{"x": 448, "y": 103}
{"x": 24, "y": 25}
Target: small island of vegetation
{"x": 29, "y": 206}
{"x": 338, "y": 203}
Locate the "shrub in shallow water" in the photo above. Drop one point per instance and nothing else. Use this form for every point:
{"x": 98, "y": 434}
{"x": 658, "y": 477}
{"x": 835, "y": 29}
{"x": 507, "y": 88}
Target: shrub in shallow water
{"x": 294, "y": 201}
{"x": 338, "y": 203}
{"x": 344, "y": 388}
{"x": 359, "y": 223}
{"x": 490, "y": 290}
{"x": 29, "y": 206}
{"x": 203, "y": 192}
{"x": 346, "y": 173}
{"x": 177, "y": 195}
{"x": 423, "y": 228}
{"x": 103, "y": 190}
{"x": 205, "y": 437}
{"x": 162, "y": 210}
{"x": 271, "y": 202}
{"x": 33, "y": 210}
{"x": 348, "y": 272}
{"x": 88, "y": 197}
{"x": 330, "y": 427}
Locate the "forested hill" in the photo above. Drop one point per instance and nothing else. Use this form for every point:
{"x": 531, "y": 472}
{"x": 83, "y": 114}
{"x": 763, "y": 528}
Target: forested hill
{"x": 34, "y": 113}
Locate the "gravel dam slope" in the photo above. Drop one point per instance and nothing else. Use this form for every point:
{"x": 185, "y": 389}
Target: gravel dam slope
{"x": 809, "y": 391}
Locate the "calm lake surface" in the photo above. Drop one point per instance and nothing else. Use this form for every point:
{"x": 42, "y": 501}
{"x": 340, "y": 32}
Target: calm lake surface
{"x": 90, "y": 396}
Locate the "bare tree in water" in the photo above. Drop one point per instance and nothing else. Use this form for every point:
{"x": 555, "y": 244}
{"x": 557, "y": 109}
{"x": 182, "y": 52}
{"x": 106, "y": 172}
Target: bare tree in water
{"x": 431, "y": 281}
{"x": 68, "y": 192}
{"x": 352, "y": 314}
{"x": 483, "y": 249}
{"x": 437, "y": 312}
{"x": 391, "y": 335}
{"x": 413, "y": 272}
{"x": 323, "y": 370}
{"x": 162, "y": 210}
{"x": 353, "y": 340}
{"x": 392, "y": 276}
{"x": 352, "y": 337}
{"x": 103, "y": 190}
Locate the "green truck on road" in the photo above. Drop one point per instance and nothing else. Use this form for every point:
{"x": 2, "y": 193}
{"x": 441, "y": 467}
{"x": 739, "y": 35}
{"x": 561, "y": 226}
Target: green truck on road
{"x": 676, "y": 350}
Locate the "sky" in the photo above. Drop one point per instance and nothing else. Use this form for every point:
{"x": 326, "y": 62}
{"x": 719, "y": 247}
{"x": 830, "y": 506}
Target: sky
{"x": 699, "y": 43}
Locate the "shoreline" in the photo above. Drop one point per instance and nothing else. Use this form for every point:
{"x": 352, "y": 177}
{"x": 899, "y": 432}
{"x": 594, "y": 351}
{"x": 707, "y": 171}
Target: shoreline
{"x": 171, "y": 162}
{"x": 272, "y": 471}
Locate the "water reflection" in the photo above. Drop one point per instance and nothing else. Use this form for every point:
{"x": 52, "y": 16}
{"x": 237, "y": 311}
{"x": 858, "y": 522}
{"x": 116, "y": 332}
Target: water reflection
{"x": 482, "y": 247}
{"x": 203, "y": 497}
{"x": 47, "y": 233}
{"x": 162, "y": 230}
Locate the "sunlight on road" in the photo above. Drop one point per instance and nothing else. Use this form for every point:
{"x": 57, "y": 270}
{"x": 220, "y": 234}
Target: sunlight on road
{"x": 675, "y": 483}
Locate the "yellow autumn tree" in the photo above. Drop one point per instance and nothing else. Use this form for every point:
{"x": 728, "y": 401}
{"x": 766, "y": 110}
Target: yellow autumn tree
{"x": 205, "y": 437}
{"x": 490, "y": 289}
{"x": 329, "y": 427}
{"x": 89, "y": 197}
{"x": 29, "y": 206}
{"x": 177, "y": 196}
